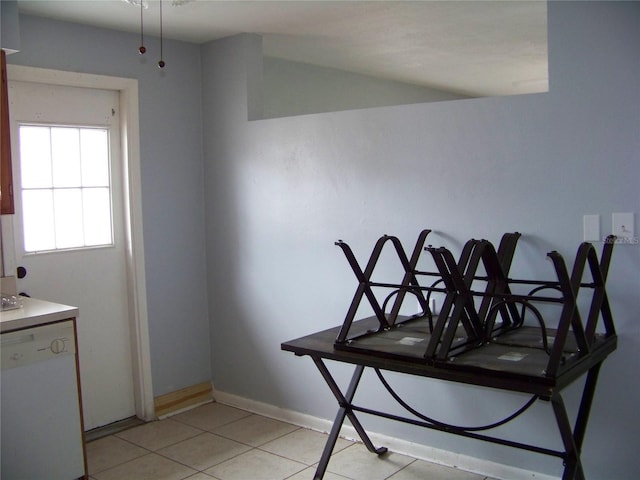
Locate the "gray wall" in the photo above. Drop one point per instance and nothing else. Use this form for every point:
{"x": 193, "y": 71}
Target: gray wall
{"x": 10, "y": 37}
{"x": 172, "y": 188}
{"x": 279, "y": 192}
{"x": 295, "y": 88}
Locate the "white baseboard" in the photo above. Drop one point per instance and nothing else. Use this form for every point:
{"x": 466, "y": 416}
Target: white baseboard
{"x": 396, "y": 445}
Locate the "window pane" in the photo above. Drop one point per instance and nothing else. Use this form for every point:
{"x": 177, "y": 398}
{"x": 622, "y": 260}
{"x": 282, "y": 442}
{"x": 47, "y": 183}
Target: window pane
{"x": 94, "y": 148}
{"x": 97, "y": 216}
{"x": 39, "y": 229}
{"x": 65, "y": 155}
{"x": 66, "y": 187}
{"x": 35, "y": 157}
{"x": 68, "y": 217}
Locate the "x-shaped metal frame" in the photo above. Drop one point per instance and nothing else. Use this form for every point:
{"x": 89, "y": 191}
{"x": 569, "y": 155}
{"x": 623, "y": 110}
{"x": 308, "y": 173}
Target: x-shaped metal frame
{"x": 572, "y": 438}
{"x": 344, "y": 400}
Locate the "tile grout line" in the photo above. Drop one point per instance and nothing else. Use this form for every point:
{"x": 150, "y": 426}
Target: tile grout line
{"x": 403, "y": 468}
{"x": 199, "y": 431}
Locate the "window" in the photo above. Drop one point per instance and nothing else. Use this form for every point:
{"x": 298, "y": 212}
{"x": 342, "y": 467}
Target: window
{"x": 66, "y": 191}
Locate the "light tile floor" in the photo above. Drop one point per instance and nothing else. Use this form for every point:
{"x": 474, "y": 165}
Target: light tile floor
{"x": 215, "y": 441}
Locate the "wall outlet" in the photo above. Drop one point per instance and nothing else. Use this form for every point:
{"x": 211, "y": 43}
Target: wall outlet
{"x": 623, "y": 227}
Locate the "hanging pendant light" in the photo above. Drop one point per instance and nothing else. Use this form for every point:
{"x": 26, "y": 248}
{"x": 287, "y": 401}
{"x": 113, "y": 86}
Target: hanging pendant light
{"x": 143, "y": 4}
{"x": 142, "y": 49}
{"x": 161, "y": 63}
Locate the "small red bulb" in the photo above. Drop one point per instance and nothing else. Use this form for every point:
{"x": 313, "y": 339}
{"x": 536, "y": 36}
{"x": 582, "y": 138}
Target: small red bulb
{"x": 161, "y": 64}
{"x": 142, "y": 49}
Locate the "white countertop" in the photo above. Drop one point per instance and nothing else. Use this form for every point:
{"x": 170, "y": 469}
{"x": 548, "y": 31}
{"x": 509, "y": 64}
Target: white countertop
{"x": 34, "y": 313}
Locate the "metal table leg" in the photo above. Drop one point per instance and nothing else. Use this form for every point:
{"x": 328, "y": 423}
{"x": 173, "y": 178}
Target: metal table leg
{"x": 572, "y": 464}
{"x": 585, "y": 405}
{"x": 344, "y": 411}
{"x": 573, "y": 439}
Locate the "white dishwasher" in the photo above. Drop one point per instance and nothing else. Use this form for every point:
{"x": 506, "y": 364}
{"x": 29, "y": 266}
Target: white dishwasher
{"x": 41, "y": 432}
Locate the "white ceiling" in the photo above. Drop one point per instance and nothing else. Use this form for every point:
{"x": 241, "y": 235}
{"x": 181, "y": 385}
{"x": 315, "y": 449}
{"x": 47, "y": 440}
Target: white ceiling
{"x": 479, "y": 48}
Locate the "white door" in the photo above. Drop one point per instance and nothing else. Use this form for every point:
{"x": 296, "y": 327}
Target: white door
{"x": 90, "y": 275}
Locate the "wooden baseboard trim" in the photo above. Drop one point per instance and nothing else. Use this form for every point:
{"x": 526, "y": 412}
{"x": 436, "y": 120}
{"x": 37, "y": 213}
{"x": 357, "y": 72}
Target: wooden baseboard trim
{"x": 182, "y": 399}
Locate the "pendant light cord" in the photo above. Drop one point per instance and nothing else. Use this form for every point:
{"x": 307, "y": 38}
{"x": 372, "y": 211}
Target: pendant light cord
{"x": 161, "y": 62}
{"x": 142, "y": 48}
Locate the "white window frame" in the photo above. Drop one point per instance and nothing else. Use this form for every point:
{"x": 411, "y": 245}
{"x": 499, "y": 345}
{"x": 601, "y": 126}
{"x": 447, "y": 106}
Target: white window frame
{"x": 54, "y": 188}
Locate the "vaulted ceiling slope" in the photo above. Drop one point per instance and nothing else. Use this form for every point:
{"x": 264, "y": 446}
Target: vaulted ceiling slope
{"x": 476, "y": 48}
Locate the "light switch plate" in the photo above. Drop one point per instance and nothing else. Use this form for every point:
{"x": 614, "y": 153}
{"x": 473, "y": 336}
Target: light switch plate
{"x": 591, "y": 228}
{"x": 623, "y": 227}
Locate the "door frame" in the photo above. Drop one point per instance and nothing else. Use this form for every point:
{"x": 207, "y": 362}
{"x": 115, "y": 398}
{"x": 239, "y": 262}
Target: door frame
{"x": 134, "y": 249}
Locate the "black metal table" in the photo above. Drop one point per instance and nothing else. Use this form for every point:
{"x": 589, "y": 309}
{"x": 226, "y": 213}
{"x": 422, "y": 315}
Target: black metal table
{"x": 321, "y": 347}
{"x": 491, "y": 332}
